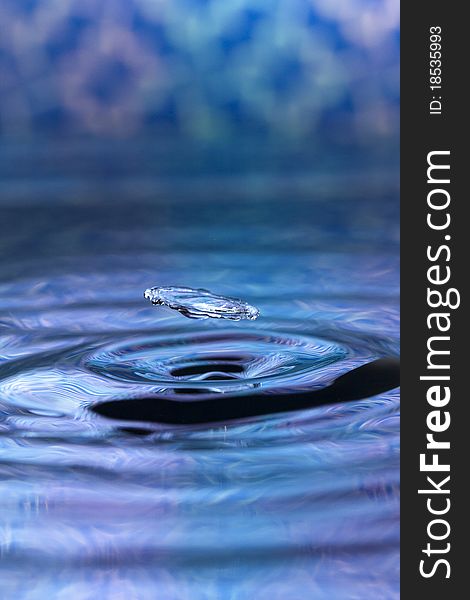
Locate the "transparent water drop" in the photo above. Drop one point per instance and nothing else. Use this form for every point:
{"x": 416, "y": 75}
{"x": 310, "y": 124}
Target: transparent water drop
{"x": 201, "y": 304}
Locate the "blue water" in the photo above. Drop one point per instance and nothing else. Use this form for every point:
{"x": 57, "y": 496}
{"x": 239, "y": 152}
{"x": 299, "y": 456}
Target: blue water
{"x": 287, "y": 505}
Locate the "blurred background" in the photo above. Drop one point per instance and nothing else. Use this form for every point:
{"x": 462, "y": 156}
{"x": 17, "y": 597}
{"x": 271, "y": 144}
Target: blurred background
{"x": 200, "y": 69}
{"x": 250, "y": 147}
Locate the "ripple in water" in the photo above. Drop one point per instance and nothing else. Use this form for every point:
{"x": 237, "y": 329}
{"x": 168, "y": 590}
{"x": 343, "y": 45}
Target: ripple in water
{"x": 137, "y": 439}
{"x": 221, "y": 360}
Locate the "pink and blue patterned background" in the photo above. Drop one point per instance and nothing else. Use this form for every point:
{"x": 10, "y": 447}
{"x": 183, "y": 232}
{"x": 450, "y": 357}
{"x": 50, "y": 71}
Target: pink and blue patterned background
{"x": 202, "y": 69}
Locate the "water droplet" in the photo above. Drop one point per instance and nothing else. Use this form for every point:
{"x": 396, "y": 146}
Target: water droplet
{"x": 201, "y": 304}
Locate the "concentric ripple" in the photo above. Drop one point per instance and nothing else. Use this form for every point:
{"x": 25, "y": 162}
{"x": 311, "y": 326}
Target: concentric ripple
{"x": 129, "y": 436}
{"x": 217, "y": 360}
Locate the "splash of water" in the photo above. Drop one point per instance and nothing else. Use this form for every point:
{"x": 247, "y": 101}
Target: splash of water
{"x": 201, "y": 304}
{"x": 113, "y": 481}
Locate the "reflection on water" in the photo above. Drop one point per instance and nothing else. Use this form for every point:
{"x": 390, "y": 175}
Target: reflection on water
{"x": 102, "y": 498}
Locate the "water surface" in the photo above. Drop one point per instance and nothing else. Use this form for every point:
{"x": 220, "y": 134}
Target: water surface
{"x": 101, "y": 500}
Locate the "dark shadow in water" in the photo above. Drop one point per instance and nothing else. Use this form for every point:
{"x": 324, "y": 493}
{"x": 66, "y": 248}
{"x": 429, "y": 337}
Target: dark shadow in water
{"x": 365, "y": 381}
{"x": 208, "y": 368}
{"x": 136, "y": 430}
